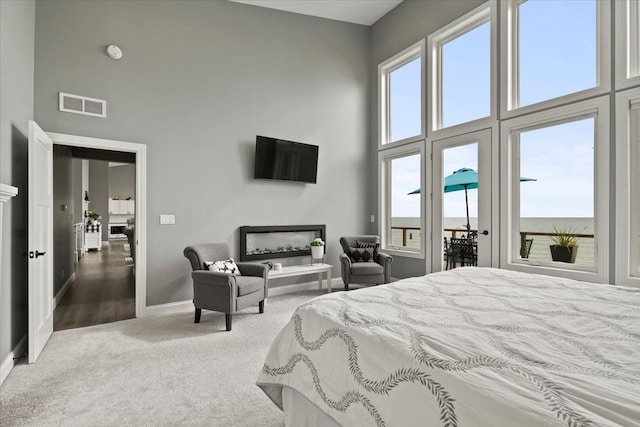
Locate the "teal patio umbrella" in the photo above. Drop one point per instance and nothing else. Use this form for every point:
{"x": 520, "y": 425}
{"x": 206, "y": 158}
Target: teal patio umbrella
{"x": 464, "y": 179}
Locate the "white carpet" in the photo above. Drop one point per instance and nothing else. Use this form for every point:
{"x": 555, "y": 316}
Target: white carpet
{"x": 160, "y": 370}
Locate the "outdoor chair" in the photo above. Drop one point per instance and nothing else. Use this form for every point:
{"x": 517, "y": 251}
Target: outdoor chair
{"x": 464, "y": 252}
{"x": 357, "y": 267}
{"x": 449, "y": 259}
{"x": 221, "y": 291}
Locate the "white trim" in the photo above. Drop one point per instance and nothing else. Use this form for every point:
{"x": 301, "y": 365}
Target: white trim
{"x": 384, "y": 191}
{"x": 10, "y": 361}
{"x": 140, "y": 151}
{"x": 169, "y": 308}
{"x": 417, "y": 50}
{"x": 599, "y": 108}
{"x": 509, "y": 98}
{"x": 7, "y": 192}
{"x": 486, "y": 13}
{"x": 63, "y": 290}
{"x": 627, "y": 164}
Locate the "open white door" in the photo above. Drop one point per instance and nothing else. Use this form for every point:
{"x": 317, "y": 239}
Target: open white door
{"x": 40, "y": 240}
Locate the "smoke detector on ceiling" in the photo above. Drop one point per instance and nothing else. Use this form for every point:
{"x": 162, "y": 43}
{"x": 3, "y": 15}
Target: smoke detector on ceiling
{"x": 114, "y": 51}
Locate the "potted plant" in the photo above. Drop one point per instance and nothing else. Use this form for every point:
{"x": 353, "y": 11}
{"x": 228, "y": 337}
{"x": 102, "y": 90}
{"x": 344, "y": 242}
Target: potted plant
{"x": 317, "y": 248}
{"x": 565, "y": 247}
{"x": 93, "y": 217}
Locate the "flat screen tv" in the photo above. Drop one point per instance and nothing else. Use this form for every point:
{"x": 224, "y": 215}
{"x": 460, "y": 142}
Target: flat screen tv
{"x": 285, "y": 160}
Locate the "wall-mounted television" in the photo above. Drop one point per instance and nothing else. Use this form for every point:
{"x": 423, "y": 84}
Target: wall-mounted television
{"x": 285, "y": 160}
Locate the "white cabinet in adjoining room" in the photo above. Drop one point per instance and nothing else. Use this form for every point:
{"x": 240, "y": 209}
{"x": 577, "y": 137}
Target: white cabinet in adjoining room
{"x": 122, "y": 207}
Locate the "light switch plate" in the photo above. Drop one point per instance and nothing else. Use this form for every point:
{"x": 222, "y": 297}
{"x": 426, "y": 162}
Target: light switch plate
{"x": 167, "y": 219}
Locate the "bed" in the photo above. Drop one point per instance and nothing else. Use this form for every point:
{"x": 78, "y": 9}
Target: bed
{"x": 465, "y": 347}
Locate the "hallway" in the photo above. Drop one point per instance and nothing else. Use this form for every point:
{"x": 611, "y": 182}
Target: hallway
{"x": 103, "y": 291}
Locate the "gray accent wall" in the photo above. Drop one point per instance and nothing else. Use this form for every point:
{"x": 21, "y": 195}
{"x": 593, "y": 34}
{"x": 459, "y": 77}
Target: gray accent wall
{"x": 16, "y": 109}
{"x": 63, "y": 208}
{"x": 408, "y": 23}
{"x": 99, "y": 193}
{"x": 122, "y": 181}
{"x": 197, "y": 82}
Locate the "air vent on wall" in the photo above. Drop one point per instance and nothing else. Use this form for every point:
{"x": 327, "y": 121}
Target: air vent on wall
{"x": 82, "y": 105}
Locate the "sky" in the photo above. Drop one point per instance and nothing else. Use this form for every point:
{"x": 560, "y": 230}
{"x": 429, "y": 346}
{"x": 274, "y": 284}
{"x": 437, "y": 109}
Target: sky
{"x": 555, "y": 59}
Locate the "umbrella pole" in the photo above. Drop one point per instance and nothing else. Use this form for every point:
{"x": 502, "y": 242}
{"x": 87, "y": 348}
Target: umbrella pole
{"x": 466, "y": 200}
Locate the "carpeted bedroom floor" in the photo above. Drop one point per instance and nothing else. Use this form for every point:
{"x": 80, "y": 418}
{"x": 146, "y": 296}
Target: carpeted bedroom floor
{"x": 157, "y": 370}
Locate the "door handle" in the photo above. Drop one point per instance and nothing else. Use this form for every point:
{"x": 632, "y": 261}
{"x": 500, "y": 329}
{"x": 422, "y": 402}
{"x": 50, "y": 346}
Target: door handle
{"x": 39, "y": 254}
{"x": 485, "y": 232}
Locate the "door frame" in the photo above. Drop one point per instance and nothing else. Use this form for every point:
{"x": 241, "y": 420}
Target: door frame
{"x": 140, "y": 150}
{"x": 489, "y": 161}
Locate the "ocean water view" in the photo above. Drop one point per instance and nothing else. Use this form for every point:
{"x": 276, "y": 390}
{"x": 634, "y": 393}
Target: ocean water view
{"x": 539, "y": 248}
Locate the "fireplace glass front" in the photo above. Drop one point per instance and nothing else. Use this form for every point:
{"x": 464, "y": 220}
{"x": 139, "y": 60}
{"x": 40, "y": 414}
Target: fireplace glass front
{"x": 277, "y": 241}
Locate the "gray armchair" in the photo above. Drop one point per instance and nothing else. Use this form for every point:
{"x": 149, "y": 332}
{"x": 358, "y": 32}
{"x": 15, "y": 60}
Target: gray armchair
{"x": 364, "y": 273}
{"x": 224, "y": 292}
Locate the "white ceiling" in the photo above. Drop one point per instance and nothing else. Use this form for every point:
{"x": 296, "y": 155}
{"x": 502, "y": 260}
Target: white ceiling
{"x": 364, "y": 12}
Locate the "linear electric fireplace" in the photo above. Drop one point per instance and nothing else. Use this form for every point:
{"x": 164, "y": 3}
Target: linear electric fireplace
{"x": 278, "y": 241}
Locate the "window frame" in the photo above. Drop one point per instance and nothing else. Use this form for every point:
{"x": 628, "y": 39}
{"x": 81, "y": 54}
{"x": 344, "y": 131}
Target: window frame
{"x": 509, "y": 67}
{"x": 385, "y": 68}
{"x": 627, "y": 45}
{"x": 384, "y": 199}
{"x": 627, "y": 259}
{"x": 510, "y": 195}
{"x": 471, "y": 20}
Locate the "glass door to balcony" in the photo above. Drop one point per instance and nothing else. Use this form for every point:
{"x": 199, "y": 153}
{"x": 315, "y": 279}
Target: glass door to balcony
{"x": 462, "y": 192}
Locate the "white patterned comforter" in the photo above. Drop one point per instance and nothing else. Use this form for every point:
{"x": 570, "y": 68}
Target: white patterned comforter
{"x": 467, "y": 347}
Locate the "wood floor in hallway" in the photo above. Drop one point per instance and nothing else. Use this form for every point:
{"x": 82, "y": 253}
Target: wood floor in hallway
{"x": 103, "y": 291}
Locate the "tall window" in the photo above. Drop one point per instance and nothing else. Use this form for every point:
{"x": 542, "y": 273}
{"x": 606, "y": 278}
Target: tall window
{"x": 545, "y": 38}
{"x": 555, "y": 198}
{"x": 558, "y": 172}
{"x": 402, "y": 96}
{"x": 554, "y": 49}
{"x": 405, "y": 101}
{"x": 461, "y": 85}
{"x": 403, "y": 219}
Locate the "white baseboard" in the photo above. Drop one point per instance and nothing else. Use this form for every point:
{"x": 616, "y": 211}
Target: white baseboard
{"x": 63, "y": 290}
{"x": 184, "y": 306}
{"x": 8, "y": 363}
{"x": 169, "y": 308}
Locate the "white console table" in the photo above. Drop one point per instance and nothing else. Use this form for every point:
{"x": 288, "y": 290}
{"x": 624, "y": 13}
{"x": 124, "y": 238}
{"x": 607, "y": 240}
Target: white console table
{"x": 302, "y": 270}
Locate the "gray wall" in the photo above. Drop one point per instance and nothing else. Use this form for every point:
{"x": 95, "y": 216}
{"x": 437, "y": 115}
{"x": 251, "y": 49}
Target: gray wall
{"x": 16, "y": 109}
{"x": 99, "y": 193}
{"x": 405, "y": 25}
{"x": 63, "y": 208}
{"x": 122, "y": 181}
{"x": 197, "y": 82}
